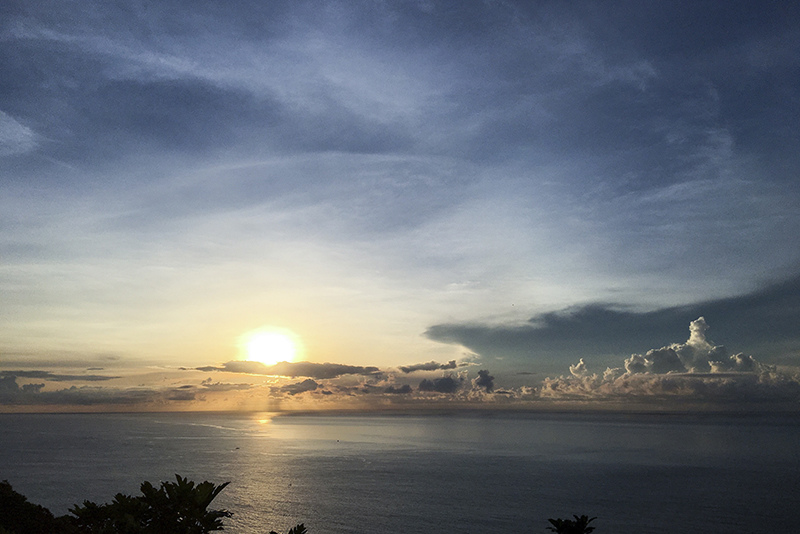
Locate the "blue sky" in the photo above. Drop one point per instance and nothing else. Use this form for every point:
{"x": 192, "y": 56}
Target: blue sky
{"x": 510, "y": 185}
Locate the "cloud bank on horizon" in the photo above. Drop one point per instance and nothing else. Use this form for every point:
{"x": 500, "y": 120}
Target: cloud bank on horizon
{"x": 695, "y": 374}
{"x": 487, "y": 186}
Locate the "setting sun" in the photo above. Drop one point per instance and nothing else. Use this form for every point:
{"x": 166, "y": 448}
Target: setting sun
{"x": 270, "y": 346}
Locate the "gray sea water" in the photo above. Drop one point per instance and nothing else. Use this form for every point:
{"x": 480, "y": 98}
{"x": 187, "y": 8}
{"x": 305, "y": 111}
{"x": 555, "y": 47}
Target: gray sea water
{"x": 480, "y": 473}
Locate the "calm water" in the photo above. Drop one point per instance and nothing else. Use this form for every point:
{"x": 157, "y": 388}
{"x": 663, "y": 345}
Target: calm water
{"x": 471, "y": 474}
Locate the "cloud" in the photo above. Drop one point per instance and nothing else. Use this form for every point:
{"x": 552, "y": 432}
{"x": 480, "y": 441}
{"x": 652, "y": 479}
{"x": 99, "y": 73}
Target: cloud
{"x": 767, "y": 321}
{"x": 238, "y": 366}
{"x": 579, "y": 369}
{"x": 401, "y": 390}
{"x": 209, "y": 385}
{"x": 182, "y": 393}
{"x": 14, "y": 137}
{"x": 300, "y": 387}
{"x": 430, "y": 366}
{"x": 47, "y": 375}
{"x": 484, "y": 381}
{"x": 32, "y": 394}
{"x": 445, "y": 384}
{"x": 293, "y": 369}
{"x": 695, "y": 370}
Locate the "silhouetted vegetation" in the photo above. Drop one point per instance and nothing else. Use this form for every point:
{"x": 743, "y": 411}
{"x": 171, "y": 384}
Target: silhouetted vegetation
{"x": 18, "y": 516}
{"x": 179, "y": 507}
{"x": 298, "y": 529}
{"x": 580, "y": 525}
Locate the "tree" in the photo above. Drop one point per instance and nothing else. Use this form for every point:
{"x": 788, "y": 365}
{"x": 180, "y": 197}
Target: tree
{"x": 179, "y": 507}
{"x": 567, "y": 526}
{"x": 18, "y": 516}
{"x": 297, "y": 529}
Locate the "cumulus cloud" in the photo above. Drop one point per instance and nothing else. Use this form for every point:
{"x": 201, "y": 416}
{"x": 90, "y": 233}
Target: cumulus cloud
{"x": 445, "y": 384}
{"x": 766, "y": 320}
{"x": 579, "y": 369}
{"x": 695, "y": 369}
{"x": 484, "y": 381}
{"x": 429, "y": 366}
{"x": 293, "y": 369}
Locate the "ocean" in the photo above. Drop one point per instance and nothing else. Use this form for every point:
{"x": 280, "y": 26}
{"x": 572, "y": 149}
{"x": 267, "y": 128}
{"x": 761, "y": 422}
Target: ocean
{"x": 476, "y": 473}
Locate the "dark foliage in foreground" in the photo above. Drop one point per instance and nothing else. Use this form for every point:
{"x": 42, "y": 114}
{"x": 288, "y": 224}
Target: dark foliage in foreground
{"x": 179, "y": 507}
{"x": 567, "y": 526}
{"x": 175, "y": 507}
{"x": 18, "y": 516}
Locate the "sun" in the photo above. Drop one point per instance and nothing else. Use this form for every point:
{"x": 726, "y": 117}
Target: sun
{"x": 270, "y": 346}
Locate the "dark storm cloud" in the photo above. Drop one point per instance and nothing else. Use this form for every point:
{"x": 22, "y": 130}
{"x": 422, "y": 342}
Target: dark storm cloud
{"x": 430, "y": 366}
{"x": 767, "y": 320}
{"x": 293, "y": 369}
{"x": 445, "y": 384}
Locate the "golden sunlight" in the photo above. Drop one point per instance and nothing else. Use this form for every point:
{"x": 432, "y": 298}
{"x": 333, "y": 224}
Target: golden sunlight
{"x": 270, "y": 346}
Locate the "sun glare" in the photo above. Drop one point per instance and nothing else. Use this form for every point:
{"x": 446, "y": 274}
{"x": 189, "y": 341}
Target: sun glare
{"x": 270, "y": 346}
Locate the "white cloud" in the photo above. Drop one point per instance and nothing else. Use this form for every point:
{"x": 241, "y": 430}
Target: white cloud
{"x": 15, "y": 138}
{"x": 695, "y": 370}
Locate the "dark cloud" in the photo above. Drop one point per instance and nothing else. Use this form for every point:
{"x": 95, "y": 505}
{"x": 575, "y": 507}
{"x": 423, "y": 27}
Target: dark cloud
{"x": 239, "y": 366}
{"x": 13, "y": 394}
{"x": 765, "y": 321}
{"x": 430, "y": 366}
{"x": 401, "y": 390}
{"x": 48, "y": 375}
{"x": 294, "y": 369}
{"x": 445, "y": 384}
{"x": 182, "y": 394}
{"x": 31, "y": 394}
{"x": 209, "y": 385}
{"x": 300, "y": 387}
{"x": 484, "y": 380}
{"x": 320, "y": 370}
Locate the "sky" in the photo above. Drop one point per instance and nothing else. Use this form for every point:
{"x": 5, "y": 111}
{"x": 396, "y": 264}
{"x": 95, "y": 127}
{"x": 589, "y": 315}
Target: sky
{"x": 493, "y": 204}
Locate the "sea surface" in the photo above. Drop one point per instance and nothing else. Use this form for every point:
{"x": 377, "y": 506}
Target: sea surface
{"x": 478, "y": 473}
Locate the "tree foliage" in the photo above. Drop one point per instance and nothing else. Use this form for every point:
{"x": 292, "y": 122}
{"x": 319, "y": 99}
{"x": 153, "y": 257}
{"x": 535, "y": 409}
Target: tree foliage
{"x": 179, "y": 507}
{"x": 580, "y": 525}
{"x": 297, "y": 529}
{"x": 18, "y": 516}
